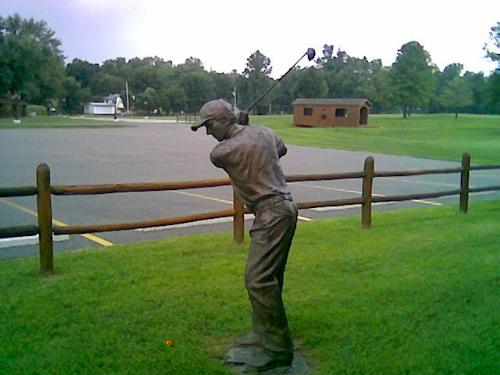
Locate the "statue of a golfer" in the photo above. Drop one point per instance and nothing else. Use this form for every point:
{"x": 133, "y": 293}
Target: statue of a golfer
{"x": 250, "y": 155}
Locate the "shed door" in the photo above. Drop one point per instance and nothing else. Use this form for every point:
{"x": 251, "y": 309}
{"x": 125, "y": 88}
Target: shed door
{"x": 363, "y": 116}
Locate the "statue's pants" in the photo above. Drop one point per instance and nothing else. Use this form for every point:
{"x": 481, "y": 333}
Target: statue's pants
{"x": 271, "y": 237}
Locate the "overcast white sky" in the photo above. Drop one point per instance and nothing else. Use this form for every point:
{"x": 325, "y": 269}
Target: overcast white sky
{"x": 223, "y": 33}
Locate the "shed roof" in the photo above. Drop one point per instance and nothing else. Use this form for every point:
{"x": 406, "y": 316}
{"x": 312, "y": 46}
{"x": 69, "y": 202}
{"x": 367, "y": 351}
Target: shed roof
{"x": 102, "y": 104}
{"x": 329, "y": 101}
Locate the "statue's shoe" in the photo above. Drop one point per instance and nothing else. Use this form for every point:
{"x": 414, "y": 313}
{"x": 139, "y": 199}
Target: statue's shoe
{"x": 240, "y": 355}
{"x": 250, "y": 339}
{"x": 263, "y": 360}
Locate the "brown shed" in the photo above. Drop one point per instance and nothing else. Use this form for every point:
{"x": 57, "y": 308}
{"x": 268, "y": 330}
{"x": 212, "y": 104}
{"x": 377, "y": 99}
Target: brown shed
{"x": 331, "y": 112}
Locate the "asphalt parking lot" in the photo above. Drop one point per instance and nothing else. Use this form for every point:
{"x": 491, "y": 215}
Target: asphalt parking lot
{"x": 161, "y": 152}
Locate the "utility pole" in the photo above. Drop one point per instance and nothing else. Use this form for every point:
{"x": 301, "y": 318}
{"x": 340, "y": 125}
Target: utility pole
{"x": 126, "y": 91}
{"x": 234, "y": 97}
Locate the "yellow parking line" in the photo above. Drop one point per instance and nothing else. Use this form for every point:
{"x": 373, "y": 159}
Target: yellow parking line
{"x": 91, "y": 237}
{"x": 423, "y": 201}
{"x": 14, "y": 205}
{"x": 303, "y": 218}
{"x": 205, "y": 197}
{"x": 427, "y": 202}
{"x": 419, "y": 182}
{"x": 99, "y": 240}
{"x": 327, "y": 188}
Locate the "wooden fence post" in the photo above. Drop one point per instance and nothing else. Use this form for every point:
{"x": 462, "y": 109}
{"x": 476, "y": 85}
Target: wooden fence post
{"x": 464, "y": 183}
{"x": 366, "y": 207}
{"x": 238, "y": 219}
{"x": 44, "y": 205}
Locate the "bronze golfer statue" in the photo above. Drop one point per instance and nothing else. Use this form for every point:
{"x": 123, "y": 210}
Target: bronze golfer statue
{"x": 250, "y": 155}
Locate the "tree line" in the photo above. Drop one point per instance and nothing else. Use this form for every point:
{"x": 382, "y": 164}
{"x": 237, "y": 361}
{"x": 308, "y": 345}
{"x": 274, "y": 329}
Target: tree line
{"x": 33, "y": 71}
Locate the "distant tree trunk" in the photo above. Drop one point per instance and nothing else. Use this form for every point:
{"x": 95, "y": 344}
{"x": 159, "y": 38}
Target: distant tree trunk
{"x": 17, "y": 114}
{"x": 456, "y": 114}
{"x": 404, "y": 112}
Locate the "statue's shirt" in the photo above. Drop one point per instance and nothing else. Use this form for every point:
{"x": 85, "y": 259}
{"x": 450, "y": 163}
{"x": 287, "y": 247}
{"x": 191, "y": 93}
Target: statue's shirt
{"x": 250, "y": 156}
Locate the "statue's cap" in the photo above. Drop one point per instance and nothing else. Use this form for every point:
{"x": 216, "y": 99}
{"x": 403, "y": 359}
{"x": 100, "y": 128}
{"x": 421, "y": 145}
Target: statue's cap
{"x": 214, "y": 109}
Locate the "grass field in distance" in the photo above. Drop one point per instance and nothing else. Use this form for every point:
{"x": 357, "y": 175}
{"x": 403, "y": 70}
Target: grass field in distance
{"x": 439, "y": 136}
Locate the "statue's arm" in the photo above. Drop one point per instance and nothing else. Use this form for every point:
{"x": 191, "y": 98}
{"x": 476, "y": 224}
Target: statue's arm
{"x": 221, "y": 154}
{"x": 216, "y": 158}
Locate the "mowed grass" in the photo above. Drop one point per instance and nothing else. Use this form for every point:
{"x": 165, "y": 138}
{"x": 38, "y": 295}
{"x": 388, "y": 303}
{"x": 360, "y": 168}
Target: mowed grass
{"x": 48, "y": 122}
{"x": 438, "y": 136}
{"x": 416, "y": 294}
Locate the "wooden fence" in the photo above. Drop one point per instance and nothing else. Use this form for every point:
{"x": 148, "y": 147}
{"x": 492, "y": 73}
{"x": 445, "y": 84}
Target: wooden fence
{"x": 44, "y": 191}
{"x": 187, "y": 118}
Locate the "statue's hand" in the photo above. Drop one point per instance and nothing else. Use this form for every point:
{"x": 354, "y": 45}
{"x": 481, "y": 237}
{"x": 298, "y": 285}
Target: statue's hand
{"x": 243, "y": 118}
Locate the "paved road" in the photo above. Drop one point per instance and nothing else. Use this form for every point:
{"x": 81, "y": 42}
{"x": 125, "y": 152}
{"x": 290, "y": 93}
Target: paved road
{"x": 150, "y": 152}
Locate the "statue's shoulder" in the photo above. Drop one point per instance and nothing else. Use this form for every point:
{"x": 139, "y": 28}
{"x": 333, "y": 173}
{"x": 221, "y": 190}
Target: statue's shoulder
{"x": 259, "y": 128}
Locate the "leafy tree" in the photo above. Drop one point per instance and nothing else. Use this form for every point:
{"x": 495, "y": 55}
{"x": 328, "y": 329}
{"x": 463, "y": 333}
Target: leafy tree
{"x": 151, "y": 72}
{"x": 199, "y": 88}
{"x": 137, "y": 62}
{"x": 348, "y": 76}
{"x": 258, "y": 65}
{"x": 104, "y": 84}
{"x": 285, "y": 93}
{"x": 311, "y": 83}
{"x": 492, "y": 47}
{"x": 327, "y": 54}
{"x": 82, "y": 71}
{"x": 116, "y": 67}
{"x": 224, "y": 85}
{"x": 456, "y": 96}
{"x": 148, "y": 100}
{"x": 257, "y": 71}
{"x": 476, "y": 83}
{"x": 383, "y": 96}
{"x": 113, "y": 66}
{"x": 193, "y": 63}
{"x": 74, "y": 96}
{"x": 492, "y": 91}
{"x": 412, "y": 77}
{"x": 443, "y": 80}
{"x": 176, "y": 98}
{"x": 146, "y": 76}
{"x": 31, "y": 60}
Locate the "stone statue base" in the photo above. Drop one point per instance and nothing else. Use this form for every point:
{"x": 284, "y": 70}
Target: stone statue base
{"x": 239, "y": 354}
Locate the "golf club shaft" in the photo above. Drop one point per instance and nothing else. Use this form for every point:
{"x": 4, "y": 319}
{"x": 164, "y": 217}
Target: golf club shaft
{"x": 273, "y": 85}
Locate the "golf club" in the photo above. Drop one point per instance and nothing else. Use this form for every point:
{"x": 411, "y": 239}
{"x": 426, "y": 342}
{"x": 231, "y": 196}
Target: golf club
{"x": 243, "y": 115}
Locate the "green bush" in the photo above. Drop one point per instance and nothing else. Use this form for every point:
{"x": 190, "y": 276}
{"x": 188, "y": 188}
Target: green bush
{"x": 38, "y": 110}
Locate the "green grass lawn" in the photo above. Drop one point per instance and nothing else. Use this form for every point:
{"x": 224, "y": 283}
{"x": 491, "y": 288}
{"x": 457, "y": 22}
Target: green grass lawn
{"x": 430, "y": 136}
{"x": 416, "y": 294}
{"x": 48, "y": 122}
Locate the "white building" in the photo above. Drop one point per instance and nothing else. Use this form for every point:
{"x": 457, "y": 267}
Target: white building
{"x": 99, "y": 109}
{"x": 111, "y": 105}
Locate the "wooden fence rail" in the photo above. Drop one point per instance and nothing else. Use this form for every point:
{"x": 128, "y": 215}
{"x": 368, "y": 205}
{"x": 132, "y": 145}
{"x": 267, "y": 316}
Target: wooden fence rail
{"x": 44, "y": 191}
{"x": 22, "y": 191}
{"x": 187, "y": 118}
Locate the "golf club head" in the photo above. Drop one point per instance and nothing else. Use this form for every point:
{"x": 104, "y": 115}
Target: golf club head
{"x": 311, "y": 53}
